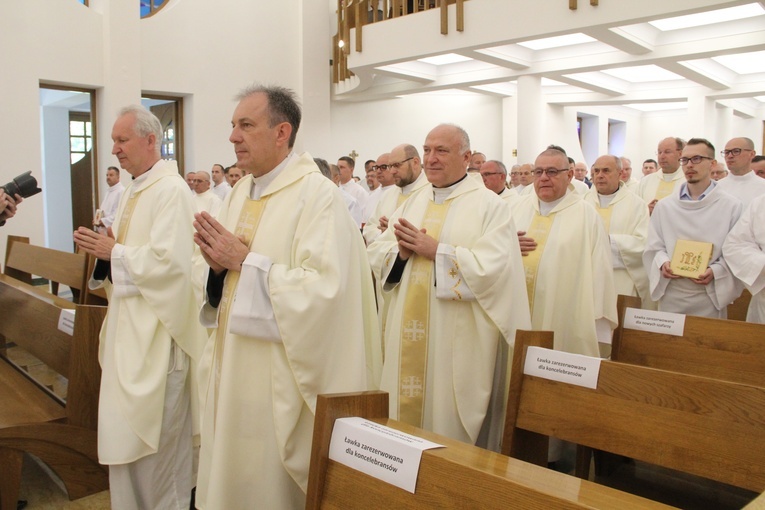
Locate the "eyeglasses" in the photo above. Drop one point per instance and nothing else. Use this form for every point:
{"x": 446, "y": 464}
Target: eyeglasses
{"x": 380, "y": 167}
{"x": 488, "y": 174}
{"x": 735, "y": 152}
{"x": 695, "y": 160}
{"x": 551, "y": 172}
{"x": 396, "y": 166}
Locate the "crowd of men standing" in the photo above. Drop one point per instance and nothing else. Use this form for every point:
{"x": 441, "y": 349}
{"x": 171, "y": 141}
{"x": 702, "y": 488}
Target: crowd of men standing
{"x": 231, "y": 307}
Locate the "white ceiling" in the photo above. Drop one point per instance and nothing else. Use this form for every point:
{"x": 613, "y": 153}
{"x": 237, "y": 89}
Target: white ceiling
{"x": 714, "y": 49}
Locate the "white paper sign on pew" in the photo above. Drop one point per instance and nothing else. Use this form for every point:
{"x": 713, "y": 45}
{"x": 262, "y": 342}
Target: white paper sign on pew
{"x": 562, "y": 366}
{"x": 654, "y": 321}
{"x": 66, "y": 321}
{"x": 379, "y": 451}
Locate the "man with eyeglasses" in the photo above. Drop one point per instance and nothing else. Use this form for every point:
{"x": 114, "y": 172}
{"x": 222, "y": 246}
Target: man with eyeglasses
{"x": 406, "y": 172}
{"x": 718, "y": 171}
{"x": 653, "y": 187}
{"x": 567, "y": 260}
{"x": 698, "y": 211}
{"x": 205, "y": 198}
{"x": 384, "y": 178}
{"x": 515, "y": 177}
{"x": 494, "y": 175}
{"x": 742, "y": 182}
{"x": 450, "y": 264}
{"x": 625, "y": 217}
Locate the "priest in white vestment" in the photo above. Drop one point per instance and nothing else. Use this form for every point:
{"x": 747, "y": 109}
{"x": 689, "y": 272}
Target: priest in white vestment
{"x": 625, "y": 216}
{"x": 205, "y": 199}
{"x": 699, "y": 211}
{"x": 292, "y": 310}
{"x": 108, "y": 210}
{"x": 567, "y": 260}
{"x": 495, "y": 179}
{"x": 408, "y": 177}
{"x": 149, "y": 337}
{"x": 384, "y": 178}
{"x": 745, "y": 255}
{"x": 657, "y": 185}
{"x": 741, "y": 182}
{"x": 454, "y": 282}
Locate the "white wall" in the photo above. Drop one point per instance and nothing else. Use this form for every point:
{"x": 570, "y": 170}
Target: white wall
{"x": 376, "y": 127}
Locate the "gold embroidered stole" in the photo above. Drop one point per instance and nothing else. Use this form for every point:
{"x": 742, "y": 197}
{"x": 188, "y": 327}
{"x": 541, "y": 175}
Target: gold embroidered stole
{"x": 413, "y": 356}
{"x": 665, "y": 189}
{"x": 605, "y": 215}
{"x": 246, "y": 227}
{"x": 539, "y": 230}
{"x": 127, "y": 213}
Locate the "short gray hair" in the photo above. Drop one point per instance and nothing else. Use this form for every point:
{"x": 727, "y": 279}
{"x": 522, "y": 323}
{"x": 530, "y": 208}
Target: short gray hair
{"x": 146, "y": 123}
{"x": 283, "y": 106}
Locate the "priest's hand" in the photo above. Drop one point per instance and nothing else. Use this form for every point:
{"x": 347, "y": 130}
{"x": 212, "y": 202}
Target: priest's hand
{"x": 666, "y": 271}
{"x": 383, "y": 225}
{"x": 98, "y": 245}
{"x": 528, "y": 244}
{"x": 220, "y": 248}
{"x": 413, "y": 240}
{"x": 705, "y": 278}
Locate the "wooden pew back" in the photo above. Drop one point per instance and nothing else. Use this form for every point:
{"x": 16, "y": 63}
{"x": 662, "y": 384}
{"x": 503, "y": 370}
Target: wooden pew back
{"x": 707, "y": 427}
{"x": 717, "y": 348}
{"x": 22, "y": 260}
{"x": 458, "y": 476}
{"x": 33, "y": 326}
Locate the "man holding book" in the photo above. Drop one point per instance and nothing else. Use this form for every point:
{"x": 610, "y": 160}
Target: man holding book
{"x": 685, "y": 229}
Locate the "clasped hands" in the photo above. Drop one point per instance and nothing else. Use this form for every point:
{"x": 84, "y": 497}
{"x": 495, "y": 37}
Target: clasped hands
{"x": 220, "y": 248}
{"x": 412, "y": 240}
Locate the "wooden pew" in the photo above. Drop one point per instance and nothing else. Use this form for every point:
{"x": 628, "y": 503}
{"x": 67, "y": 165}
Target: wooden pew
{"x": 706, "y": 427}
{"x": 458, "y": 476}
{"x": 717, "y": 348}
{"x": 62, "y": 433}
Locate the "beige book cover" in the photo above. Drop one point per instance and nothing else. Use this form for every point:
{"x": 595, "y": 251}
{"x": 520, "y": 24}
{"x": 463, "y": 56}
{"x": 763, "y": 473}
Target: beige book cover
{"x": 691, "y": 258}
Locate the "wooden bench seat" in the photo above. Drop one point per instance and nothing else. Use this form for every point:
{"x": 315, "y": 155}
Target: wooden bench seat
{"x": 698, "y": 425}
{"x": 458, "y": 476}
{"x": 59, "y": 431}
{"x": 722, "y": 349}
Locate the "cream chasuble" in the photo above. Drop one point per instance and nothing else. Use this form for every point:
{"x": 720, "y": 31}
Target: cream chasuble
{"x": 574, "y": 283}
{"x": 257, "y": 427}
{"x": 480, "y": 249}
{"x": 626, "y": 220}
{"x": 151, "y": 303}
{"x": 655, "y": 187}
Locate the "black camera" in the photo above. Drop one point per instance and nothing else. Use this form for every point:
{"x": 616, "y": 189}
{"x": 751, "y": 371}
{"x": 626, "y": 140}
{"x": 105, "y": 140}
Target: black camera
{"x": 24, "y": 185}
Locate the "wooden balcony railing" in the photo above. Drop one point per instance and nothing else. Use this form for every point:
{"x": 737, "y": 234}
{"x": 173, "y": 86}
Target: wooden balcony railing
{"x": 357, "y": 13}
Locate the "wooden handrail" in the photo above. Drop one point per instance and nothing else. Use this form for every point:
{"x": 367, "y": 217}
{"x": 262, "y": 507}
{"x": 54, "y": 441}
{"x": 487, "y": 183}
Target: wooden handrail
{"x": 354, "y": 14}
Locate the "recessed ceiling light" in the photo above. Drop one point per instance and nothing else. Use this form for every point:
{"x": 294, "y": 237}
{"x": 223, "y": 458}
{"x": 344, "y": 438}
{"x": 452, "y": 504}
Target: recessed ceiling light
{"x": 709, "y": 17}
{"x": 656, "y": 107}
{"x": 449, "y": 58}
{"x": 642, "y": 74}
{"x": 557, "y": 42}
{"x": 743, "y": 63}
